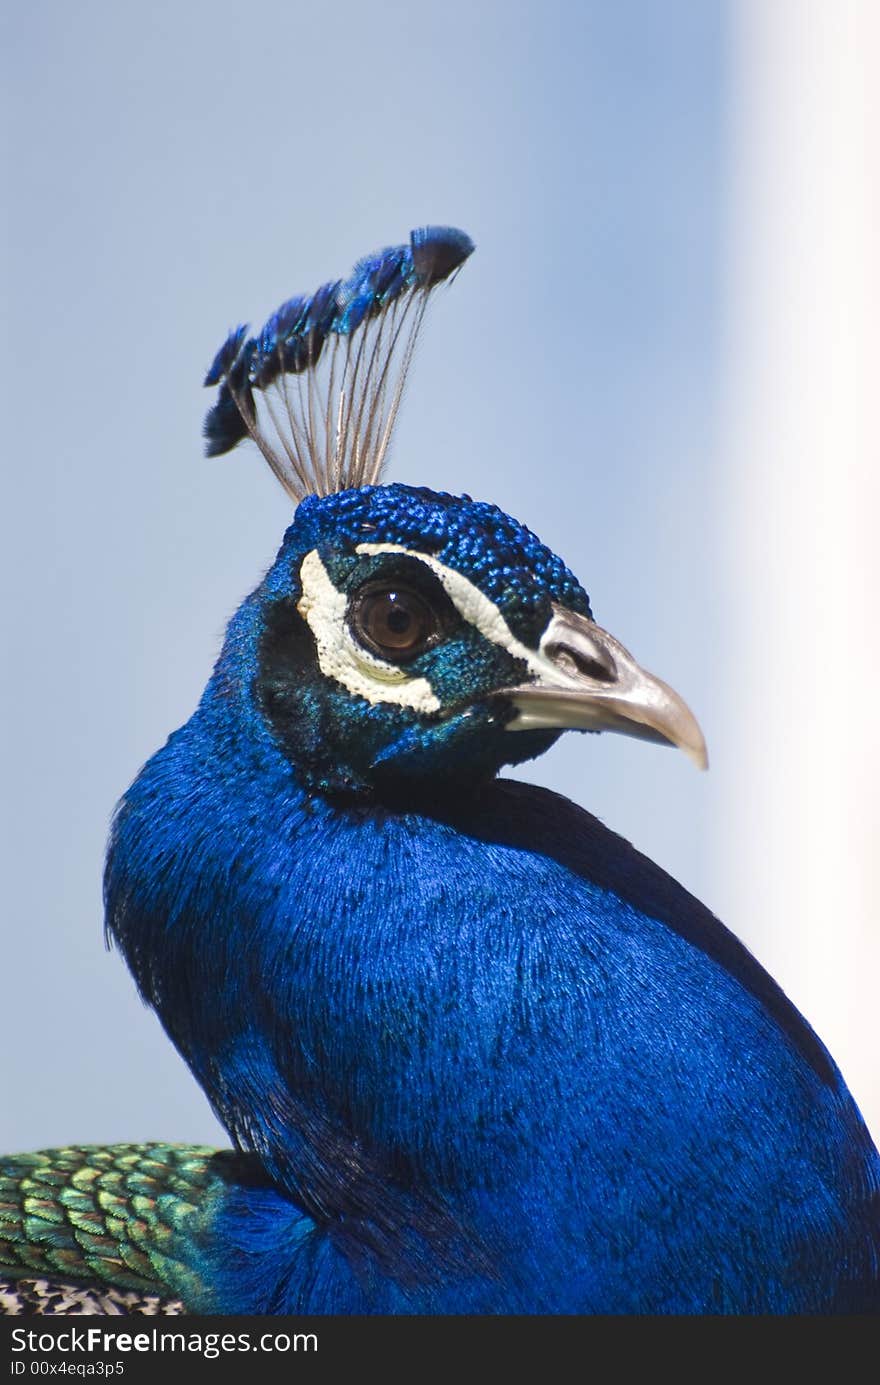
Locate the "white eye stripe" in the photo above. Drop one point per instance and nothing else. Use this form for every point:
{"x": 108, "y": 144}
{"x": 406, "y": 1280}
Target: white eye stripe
{"x": 341, "y": 658}
{"x": 472, "y": 604}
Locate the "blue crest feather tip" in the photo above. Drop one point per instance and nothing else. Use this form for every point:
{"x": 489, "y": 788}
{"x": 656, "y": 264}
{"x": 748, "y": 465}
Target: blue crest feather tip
{"x": 319, "y": 386}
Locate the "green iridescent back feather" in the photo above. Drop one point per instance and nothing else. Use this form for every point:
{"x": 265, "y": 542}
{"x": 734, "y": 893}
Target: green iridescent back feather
{"x": 106, "y": 1214}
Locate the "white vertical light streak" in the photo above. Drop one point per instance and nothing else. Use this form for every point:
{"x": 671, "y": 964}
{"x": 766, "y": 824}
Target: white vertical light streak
{"x": 799, "y": 751}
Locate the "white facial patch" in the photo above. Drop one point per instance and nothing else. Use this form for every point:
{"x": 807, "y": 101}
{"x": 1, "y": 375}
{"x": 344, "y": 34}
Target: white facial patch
{"x": 341, "y": 658}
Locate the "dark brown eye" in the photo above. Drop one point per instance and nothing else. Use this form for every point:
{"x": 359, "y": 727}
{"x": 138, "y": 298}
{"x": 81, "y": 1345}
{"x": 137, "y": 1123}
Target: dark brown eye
{"x": 394, "y": 622}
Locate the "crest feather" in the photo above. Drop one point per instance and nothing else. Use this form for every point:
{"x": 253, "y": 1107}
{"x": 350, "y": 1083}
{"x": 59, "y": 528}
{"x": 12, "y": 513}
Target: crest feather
{"x": 319, "y": 386}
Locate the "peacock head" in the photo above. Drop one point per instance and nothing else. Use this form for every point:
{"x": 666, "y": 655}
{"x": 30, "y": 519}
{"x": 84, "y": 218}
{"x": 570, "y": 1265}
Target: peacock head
{"x": 406, "y": 635}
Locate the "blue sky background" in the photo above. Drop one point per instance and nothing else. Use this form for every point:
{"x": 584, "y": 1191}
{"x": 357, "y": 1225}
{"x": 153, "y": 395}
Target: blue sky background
{"x": 175, "y": 169}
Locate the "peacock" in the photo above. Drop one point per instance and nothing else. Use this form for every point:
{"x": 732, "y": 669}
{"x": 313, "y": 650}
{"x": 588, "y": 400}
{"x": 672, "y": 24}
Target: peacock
{"x": 474, "y": 1052}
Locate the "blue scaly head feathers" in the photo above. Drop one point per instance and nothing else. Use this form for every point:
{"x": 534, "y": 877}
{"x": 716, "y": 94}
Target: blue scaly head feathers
{"x": 404, "y": 635}
{"x": 486, "y": 1056}
{"x": 370, "y": 672}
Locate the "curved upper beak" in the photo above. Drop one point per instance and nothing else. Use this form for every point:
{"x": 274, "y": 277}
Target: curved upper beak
{"x": 586, "y": 680}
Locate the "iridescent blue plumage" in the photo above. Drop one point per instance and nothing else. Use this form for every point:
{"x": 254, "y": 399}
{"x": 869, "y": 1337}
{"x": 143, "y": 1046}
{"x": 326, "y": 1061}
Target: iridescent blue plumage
{"x": 479, "y": 1055}
{"x": 502, "y": 1061}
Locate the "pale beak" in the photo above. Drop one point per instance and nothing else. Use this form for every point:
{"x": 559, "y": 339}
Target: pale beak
{"x": 586, "y": 680}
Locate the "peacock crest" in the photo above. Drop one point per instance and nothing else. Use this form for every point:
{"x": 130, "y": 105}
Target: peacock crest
{"x": 319, "y": 386}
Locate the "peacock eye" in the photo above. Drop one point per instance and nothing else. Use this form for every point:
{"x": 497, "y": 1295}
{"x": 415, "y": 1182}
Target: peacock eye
{"x": 393, "y": 621}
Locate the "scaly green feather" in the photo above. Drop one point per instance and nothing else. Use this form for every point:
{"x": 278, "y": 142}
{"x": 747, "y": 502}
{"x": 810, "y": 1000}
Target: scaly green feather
{"x": 104, "y": 1214}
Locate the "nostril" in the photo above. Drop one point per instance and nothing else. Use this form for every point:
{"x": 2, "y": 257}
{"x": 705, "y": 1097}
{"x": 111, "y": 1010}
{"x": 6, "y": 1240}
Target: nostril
{"x": 597, "y": 664}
